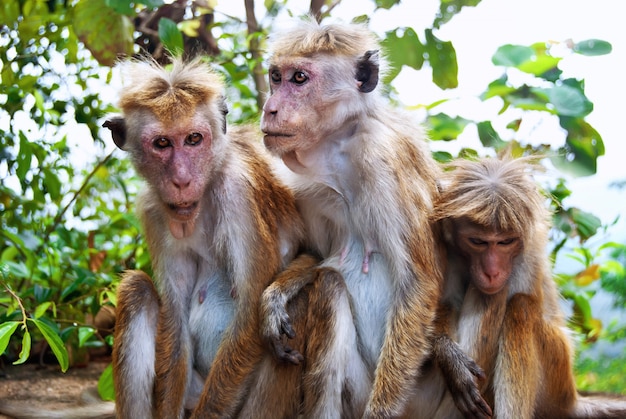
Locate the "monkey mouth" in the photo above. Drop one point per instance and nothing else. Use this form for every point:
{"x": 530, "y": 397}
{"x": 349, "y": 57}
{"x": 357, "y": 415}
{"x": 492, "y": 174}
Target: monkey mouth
{"x": 183, "y": 211}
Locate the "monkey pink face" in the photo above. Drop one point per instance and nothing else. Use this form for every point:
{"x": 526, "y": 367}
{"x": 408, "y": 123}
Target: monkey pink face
{"x": 176, "y": 161}
{"x": 300, "y": 105}
{"x": 490, "y": 254}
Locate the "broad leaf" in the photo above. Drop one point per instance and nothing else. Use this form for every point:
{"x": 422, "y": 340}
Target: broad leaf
{"x": 403, "y": 47}
{"x": 592, "y": 47}
{"x": 104, "y": 32}
{"x": 6, "y": 331}
{"x": 488, "y": 136}
{"x": 25, "y": 352}
{"x": 171, "y": 36}
{"x": 55, "y": 342}
{"x": 442, "y": 58}
{"x": 105, "y": 384}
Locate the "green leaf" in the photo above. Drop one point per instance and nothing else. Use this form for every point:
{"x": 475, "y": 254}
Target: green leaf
{"x": 6, "y": 331}
{"x": 42, "y": 308}
{"x": 105, "y": 384}
{"x": 84, "y": 333}
{"x": 593, "y": 47}
{"x": 402, "y": 47}
{"x": 24, "y": 158}
{"x": 488, "y": 136}
{"x": 106, "y": 34}
{"x": 587, "y": 224}
{"x": 442, "y": 59}
{"x": 25, "y": 352}
{"x": 445, "y": 128}
{"x": 55, "y": 342}
{"x": 569, "y": 100}
{"x": 512, "y": 55}
{"x": 171, "y": 36}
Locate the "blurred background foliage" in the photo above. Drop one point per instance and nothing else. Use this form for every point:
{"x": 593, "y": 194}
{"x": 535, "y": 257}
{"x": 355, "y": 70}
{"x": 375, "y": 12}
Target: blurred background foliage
{"x": 67, "y": 224}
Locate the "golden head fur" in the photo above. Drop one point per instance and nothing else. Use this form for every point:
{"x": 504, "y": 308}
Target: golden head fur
{"x": 495, "y": 193}
{"x": 307, "y": 37}
{"x": 168, "y": 94}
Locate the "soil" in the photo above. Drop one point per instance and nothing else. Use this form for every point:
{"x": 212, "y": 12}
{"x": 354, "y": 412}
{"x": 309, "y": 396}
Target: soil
{"x": 46, "y": 386}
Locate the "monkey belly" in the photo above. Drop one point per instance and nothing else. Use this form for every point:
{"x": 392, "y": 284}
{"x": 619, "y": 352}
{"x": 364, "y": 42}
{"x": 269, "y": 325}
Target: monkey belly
{"x": 370, "y": 298}
{"x": 211, "y": 312}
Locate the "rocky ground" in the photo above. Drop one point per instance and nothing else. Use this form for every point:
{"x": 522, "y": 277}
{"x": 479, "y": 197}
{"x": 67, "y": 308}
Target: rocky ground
{"x": 47, "y": 386}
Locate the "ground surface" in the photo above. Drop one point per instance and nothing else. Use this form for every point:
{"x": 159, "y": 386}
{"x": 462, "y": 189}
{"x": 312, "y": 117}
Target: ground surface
{"x": 48, "y": 386}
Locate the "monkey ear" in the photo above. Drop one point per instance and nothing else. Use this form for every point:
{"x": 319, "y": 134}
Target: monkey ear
{"x": 224, "y": 110}
{"x": 367, "y": 71}
{"x": 118, "y": 130}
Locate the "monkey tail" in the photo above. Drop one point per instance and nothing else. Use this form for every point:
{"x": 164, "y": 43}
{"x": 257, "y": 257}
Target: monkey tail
{"x": 96, "y": 409}
{"x": 599, "y": 405}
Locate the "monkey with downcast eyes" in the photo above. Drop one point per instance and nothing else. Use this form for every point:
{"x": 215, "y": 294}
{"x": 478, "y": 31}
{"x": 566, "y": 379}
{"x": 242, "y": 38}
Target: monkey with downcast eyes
{"x": 365, "y": 182}
{"x": 500, "y": 303}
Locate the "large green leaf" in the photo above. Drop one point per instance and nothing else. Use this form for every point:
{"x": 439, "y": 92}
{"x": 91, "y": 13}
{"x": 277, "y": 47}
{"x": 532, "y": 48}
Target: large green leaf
{"x": 104, "y": 32}
{"x": 55, "y": 342}
{"x": 171, "y": 36}
{"x": 443, "y": 127}
{"x": 512, "y": 55}
{"x": 442, "y": 58}
{"x": 592, "y": 47}
{"x": 569, "y": 100}
{"x": 6, "y": 331}
{"x": 489, "y": 137}
{"x": 105, "y": 384}
{"x": 402, "y": 47}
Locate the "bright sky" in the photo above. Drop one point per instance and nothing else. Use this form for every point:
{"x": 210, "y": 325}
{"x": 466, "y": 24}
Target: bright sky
{"x": 477, "y": 32}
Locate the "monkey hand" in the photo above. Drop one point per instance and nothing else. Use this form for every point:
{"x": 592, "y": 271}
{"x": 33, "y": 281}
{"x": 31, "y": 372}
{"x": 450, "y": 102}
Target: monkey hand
{"x": 461, "y": 374}
{"x": 276, "y": 326}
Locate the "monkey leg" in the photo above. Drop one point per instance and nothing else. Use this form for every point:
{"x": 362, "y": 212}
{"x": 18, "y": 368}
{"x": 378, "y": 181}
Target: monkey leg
{"x": 336, "y": 382}
{"x": 134, "y": 349}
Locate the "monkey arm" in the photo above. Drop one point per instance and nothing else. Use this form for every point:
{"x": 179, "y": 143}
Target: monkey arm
{"x": 517, "y": 378}
{"x": 460, "y": 373}
{"x": 275, "y": 320}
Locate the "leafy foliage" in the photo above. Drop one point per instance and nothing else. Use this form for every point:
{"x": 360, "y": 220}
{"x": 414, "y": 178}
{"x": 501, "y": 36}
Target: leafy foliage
{"x": 67, "y": 227}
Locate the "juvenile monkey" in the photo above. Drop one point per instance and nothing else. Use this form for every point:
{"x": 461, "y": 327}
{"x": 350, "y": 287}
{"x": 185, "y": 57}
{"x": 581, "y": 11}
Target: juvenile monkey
{"x": 219, "y": 226}
{"x": 500, "y": 302}
{"x": 364, "y": 181}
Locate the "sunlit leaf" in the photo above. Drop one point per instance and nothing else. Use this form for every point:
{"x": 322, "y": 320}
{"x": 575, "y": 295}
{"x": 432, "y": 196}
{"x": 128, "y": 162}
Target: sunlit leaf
{"x": 443, "y": 127}
{"x": 55, "y": 342}
{"x": 105, "y": 33}
{"x": 41, "y": 309}
{"x": 588, "y": 276}
{"x": 442, "y": 59}
{"x": 25, "y": 352}
{"x": 587, "y": 224}
{"x": 105, "y": 384}
{"x": 403, "y": 47}
{"x": 489, "y": 137}
{"x": 6, "y": 331}
{"x": 24, "y": 158}
{"x": 512, "y": 55}
{"x": 591, "y": 47}
{"x": 84, "y": 334}
{"x": 171, "y": 36}
{"x": 569, "y": 100}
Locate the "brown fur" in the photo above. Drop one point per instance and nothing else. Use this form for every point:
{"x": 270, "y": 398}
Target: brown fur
{"x": 232, "y": 228}
{"x": 520, "y": 341}
{"x": 364, "y": 180}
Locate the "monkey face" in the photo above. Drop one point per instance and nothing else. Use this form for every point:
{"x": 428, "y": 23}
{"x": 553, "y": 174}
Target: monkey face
{"x": 490, "y": 253}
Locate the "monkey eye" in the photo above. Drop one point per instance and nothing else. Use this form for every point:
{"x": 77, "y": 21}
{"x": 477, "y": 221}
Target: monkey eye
{"x": 299, "y": 77}
{"x": 161, "y": 142}
{"x": 476, "y": 241}
{"x": 507, "y": 241}
{"x": 194, "y": 138}
{"x": 275, "y": 76}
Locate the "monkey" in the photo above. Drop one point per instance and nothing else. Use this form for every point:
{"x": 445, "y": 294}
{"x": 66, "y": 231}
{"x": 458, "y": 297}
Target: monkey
{"x": 219, "y": 225}
{"x": 499, "y": 301}
{"x": 365, "y": 182}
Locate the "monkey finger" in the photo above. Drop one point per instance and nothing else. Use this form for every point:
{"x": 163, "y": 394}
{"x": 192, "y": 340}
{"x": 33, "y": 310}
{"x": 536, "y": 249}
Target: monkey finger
{"x": 287, "y": 330}
{"x": 288, "y": 354}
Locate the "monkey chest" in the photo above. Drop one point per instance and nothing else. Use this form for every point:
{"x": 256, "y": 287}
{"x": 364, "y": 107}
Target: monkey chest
{"x": 370, "y": 290}
{"x": 212, "y": 309}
